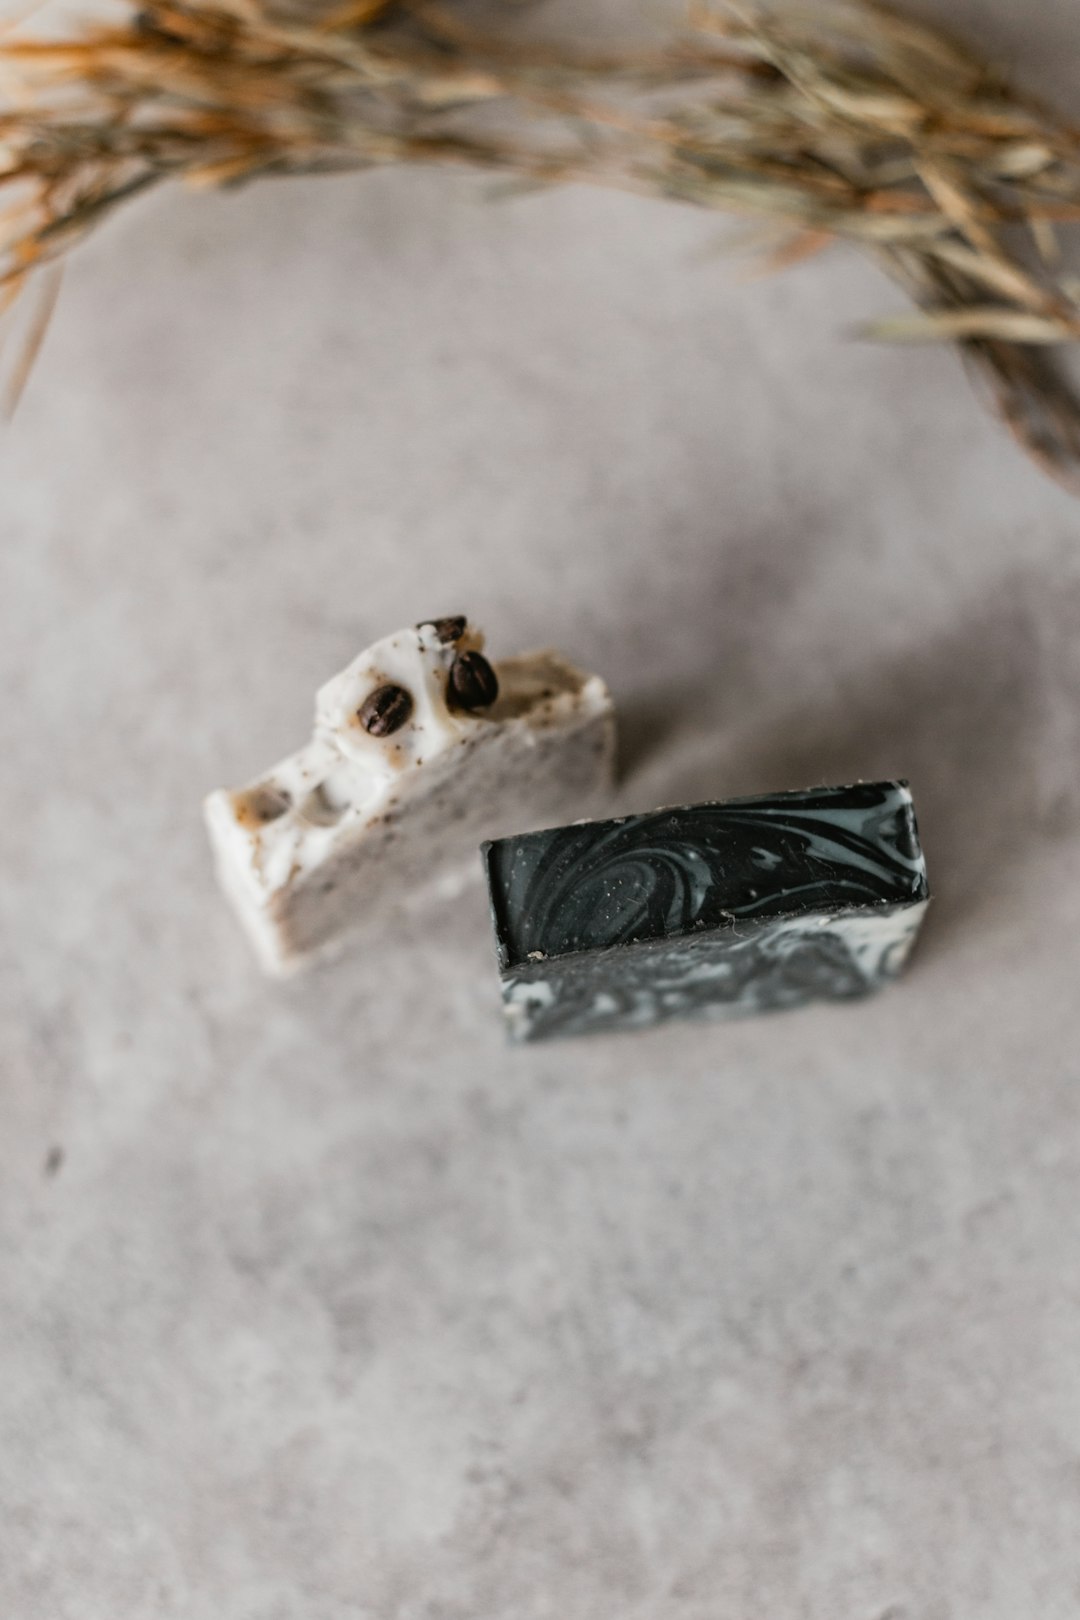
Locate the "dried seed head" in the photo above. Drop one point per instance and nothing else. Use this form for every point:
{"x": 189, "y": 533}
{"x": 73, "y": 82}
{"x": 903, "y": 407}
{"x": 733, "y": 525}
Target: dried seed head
{"x": 449, "y": 629}
{"x": 386, "y": 710}
{"x": 472, "y": 683}
{"x": 848, "y": 147}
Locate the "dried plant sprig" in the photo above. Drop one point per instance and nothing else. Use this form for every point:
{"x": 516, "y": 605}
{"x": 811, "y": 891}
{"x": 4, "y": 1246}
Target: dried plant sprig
{"x": 838, "y": 120}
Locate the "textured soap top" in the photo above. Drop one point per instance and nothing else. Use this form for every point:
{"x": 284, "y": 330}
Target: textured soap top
{"x": 676, "y": 872}
{"x": 398, "y": 724}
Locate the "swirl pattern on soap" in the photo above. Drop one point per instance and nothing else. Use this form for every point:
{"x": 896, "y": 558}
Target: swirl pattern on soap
{"x": 774, "y": 965}
{"x": 676, "y": 872}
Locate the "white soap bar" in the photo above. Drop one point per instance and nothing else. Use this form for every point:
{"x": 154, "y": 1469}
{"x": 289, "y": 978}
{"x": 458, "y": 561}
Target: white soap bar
{"x": 413, "y": 763}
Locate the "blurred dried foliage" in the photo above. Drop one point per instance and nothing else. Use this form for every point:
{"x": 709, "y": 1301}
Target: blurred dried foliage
{"x": 824, "y": 120}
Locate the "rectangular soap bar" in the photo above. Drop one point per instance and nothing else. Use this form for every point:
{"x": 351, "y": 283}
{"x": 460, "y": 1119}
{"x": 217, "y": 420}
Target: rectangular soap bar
{"x": 709, "y": 909}
{"x": 421, "y": 748}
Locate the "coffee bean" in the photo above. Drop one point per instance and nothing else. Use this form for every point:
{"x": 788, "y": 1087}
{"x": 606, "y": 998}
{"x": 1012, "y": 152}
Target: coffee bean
{"x": 447, "y": 630}
{"x": 472, "y": 683}
{"x": 386, "y": 710}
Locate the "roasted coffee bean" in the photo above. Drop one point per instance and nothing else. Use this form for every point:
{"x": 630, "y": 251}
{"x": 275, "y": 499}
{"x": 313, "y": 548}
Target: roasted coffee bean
{"x": 386, "y": 710}
{"x": 447, "y": 630}
{"x": 473, "y": 683}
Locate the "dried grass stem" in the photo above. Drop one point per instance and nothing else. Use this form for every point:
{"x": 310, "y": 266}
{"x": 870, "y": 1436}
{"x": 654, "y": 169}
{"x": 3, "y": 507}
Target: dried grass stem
{"x": 840, "y": 120}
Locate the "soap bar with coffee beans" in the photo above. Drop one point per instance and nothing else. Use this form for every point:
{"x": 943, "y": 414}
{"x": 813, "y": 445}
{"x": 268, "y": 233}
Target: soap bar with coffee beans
{"x": 711, "y": 909}
{"x": 421, "y": 749}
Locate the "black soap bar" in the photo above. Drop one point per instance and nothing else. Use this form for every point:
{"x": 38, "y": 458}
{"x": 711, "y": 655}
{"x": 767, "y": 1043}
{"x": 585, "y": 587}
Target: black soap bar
{"x": 710, "y": 909}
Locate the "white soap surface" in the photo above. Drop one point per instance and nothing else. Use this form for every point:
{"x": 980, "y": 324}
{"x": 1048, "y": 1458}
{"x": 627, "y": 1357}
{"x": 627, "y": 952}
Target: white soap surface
{"x": 353, "y": 826}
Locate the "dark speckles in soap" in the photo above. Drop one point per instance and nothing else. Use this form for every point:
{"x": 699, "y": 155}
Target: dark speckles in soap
{"x": 711, "y": 908}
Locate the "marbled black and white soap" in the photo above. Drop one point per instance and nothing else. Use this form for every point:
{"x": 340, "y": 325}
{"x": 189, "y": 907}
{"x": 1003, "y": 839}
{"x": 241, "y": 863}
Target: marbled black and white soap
{"x": 708, "y": 910}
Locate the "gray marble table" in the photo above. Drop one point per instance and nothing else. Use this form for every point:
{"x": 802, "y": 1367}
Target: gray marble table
{"x": 317, "y": 1302}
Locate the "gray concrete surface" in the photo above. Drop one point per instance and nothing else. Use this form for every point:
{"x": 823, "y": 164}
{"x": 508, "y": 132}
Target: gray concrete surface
{"x": 316, "y": 1302}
